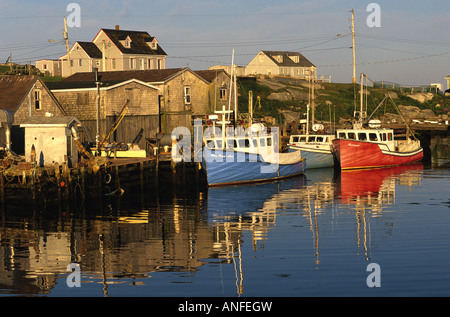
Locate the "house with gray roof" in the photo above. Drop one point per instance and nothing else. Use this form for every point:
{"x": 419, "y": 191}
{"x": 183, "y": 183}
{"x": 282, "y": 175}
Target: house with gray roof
{"x": 114, "y": 50}
{"x": 281, "y": 63}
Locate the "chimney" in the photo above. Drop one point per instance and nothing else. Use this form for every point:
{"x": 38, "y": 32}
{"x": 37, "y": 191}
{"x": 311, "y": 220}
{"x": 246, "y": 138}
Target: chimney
{"x": 117, "y": 26}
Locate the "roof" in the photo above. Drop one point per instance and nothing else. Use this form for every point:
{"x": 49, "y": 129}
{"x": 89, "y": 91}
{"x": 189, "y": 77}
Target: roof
{"x": 91, "y": 49}
{"x": 287, "y": 61}
{"x": 63, "y": 121}
{"x": 87, "y": 79}
{"x": 13, "y": 90}
{"x": 139, "y": 40}
{"x": 211, "y": 74}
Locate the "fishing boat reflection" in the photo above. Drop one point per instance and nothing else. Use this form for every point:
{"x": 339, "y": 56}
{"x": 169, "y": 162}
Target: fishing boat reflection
{"x": 375, "y": 187}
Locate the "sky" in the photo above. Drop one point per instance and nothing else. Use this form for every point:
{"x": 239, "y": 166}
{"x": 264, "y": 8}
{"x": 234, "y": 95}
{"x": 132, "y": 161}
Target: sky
{"x": 409, "y": 46}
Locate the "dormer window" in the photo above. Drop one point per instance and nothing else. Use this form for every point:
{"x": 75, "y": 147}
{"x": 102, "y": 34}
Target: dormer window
{"x": 127, "y": 42}
{"x": 279, "y": 58}
{"x": 295, "y": 58}
{"x": 153, "y": 44}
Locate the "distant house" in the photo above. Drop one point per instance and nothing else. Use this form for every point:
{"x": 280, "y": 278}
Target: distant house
{"x": 161, "y": 100}
{"x": 49, "y": 67}
{"x": 115, "y": 50}
{"x": 448, "y": 82}
{"x": 281, "y": 63}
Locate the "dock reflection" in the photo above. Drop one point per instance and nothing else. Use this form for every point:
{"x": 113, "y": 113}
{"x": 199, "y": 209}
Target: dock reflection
{"x": 154, "y": 228}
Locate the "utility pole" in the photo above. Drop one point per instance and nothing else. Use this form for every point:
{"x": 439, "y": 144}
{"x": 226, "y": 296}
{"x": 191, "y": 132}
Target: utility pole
{"x": 353, "y": 46}
{"x": 66, "y": 38}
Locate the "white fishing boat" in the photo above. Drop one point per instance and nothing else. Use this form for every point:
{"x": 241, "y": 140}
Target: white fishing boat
{"x": 315, "y": 147}
{"x": 248, "y": 158}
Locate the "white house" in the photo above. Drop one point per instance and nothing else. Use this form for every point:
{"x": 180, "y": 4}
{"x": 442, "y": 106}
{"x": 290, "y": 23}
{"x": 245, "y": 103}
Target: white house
{"x": 115, "y": 50}
{"x": 281, "y": 63}
{"x": 49, "y": 67}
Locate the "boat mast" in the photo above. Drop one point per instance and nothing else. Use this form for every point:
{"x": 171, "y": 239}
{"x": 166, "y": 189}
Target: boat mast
{"x": 353, "y": 47}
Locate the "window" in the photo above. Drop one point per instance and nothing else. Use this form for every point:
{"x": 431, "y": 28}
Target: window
{"x": 303, "y": 139}
{"x": 294, "y": 139}
{"x": 255, "y": 142}
{"x": 352, "y": 136}
{"x": 71, "y": 63}
{"x": 69, "y": 146}
{"x": 262, "y": 142}
{"x": 83, "y": 98}
{"x": 80, "y": 62}
{"x": 113, "y": 63}
{"x": 362, "y": 136}
{"x": 45, "y": 66}
{"x": 149, "y": 63}
{"x": 132, "y": 63}
{"x": 223, "y": 93}
{"x": 319, "y": 139}
{"x": 37, "y": 100}
{"x": 342, "y": 135}
{"x": 373, "y": 137}
{"x": 383, "y": 136}
{"x": 390, "y": 137}
{"x": 142, "y": 64}
{"x": 187, "y": 94}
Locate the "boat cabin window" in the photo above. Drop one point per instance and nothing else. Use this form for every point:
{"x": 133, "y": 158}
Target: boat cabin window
{"x": 341, "y": 135}
{"x": 219, "y": 144}
{"x": 241, "y": 142}
{"x": 303, "y": 139}
{"x": 294, "y": 139}
{"x": 269, "y": 142}
{"x": 231, "y": 143}
{"x": 262, "y": 142}
{"x": 373, "y": 137}
{"x": 210, "y": 144}
{"x": 383, "y": 136}
{"x": 362, "y": 136}
{"x": 319, "y": 139}
{"x": 390, "y": 138}
{"x": 352, "y": 136}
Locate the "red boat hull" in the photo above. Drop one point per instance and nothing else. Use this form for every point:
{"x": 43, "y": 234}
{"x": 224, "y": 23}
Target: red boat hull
{"x": 353, "y": 154}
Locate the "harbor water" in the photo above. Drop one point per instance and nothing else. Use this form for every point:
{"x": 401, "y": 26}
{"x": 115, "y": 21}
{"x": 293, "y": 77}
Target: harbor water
{"x": 381, "y": 232}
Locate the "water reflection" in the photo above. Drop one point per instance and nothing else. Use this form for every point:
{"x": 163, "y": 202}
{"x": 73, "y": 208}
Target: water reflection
{"x": 125, "y": 239}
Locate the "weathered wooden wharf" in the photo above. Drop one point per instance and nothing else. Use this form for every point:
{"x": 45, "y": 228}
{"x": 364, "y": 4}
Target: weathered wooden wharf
{"x": 29, "y": 183}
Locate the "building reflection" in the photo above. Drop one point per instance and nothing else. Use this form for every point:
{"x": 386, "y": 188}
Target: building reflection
{"x": 155, "y": 229}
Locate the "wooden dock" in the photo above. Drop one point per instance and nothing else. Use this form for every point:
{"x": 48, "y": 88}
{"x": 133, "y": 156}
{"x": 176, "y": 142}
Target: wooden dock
{"x": 33, "y": 184}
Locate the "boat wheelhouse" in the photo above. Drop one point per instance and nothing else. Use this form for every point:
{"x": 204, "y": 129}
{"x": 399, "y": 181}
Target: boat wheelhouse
{"x": 317, "y": 149}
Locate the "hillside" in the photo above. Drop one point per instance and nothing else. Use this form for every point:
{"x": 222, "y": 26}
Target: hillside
{"x": 285, "y": 99}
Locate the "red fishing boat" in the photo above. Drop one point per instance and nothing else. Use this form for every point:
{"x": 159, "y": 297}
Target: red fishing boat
{"x": 362, "y": 147}
{"x": 365, "y": 148}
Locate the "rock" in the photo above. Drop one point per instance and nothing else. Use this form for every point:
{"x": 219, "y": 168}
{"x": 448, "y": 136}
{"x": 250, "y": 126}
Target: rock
{"x": 409, "y": 111}
{"x": 282, "y": 96}
{"x": 421, "y": 97}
